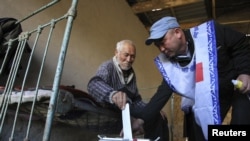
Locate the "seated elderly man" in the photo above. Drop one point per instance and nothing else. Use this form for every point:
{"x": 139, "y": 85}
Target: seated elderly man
{"x": 114, "y": 84}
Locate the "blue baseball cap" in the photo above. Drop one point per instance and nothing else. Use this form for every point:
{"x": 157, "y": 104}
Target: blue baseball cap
{"x": 160, "y": 28}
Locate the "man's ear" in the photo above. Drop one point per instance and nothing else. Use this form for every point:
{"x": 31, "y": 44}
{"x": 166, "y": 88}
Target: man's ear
{"x": 178, "y": 32}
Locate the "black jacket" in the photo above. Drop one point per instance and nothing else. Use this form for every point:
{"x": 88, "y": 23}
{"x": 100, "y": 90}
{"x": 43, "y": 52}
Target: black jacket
{"x": 233, "y": 56}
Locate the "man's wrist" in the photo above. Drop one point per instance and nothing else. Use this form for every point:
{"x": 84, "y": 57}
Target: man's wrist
{"x": 111, "y": 95}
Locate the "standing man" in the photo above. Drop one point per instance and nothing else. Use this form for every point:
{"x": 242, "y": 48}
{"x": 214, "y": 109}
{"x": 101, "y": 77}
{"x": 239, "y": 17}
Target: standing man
{"x": 114, "y": 84}
{"x": 199, "y": 64}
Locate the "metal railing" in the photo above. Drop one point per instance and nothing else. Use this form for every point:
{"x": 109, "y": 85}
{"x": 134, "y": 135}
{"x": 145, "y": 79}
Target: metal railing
{"x": 22, "y": 40}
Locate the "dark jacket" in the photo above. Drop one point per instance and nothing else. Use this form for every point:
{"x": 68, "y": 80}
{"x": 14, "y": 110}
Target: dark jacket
{"x": 233, "y": 58}
{"x": 9, "y": 29}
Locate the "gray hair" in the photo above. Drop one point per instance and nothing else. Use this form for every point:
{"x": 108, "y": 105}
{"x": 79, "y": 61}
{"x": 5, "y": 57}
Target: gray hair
{"x": 121, "y": 43}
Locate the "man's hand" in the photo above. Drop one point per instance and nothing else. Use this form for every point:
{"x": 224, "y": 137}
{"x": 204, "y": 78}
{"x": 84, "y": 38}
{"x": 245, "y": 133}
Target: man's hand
{"x": 137, "y": 127}
{"x": 120, "y": 99}
{"x": 163, "y": 114}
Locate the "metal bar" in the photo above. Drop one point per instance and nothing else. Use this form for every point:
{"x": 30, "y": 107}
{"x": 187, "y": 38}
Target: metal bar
{"x": 23, "y": 37}
{"x": 11, "y": 80}
{"x": 39, "y": 10}
{"x": 57, "y": 78}
{"x": 39, "y": 77}
{"x": 172, "y": 118}
{"x": 24, "y": 80}
{"x": 9, "y": 43}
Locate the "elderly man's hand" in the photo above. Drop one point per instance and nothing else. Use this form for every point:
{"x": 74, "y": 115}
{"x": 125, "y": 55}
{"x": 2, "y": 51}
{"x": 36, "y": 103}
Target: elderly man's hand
{"x": 120, "y": 99}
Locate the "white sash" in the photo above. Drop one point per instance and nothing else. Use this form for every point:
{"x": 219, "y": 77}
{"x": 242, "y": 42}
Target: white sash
{"x": 197, "y": 82}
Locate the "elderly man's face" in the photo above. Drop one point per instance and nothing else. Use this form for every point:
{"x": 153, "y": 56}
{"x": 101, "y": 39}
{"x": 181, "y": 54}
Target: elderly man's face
{"x": 126, "y": 56}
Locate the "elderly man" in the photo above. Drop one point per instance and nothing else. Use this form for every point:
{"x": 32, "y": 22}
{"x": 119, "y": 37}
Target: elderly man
{"x": 114, "y": 84}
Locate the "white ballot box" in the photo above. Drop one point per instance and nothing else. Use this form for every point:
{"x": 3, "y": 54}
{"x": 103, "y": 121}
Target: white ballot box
{"x": 127, "y": 130}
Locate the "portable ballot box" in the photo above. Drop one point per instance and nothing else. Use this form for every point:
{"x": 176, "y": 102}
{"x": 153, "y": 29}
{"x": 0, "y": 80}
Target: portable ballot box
{"x": 121, "y": 139}
{"x": 126, "y": 129}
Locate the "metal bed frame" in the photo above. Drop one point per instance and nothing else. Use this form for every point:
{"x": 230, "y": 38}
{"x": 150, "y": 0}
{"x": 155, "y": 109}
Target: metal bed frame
{"x": 22, "y": 40}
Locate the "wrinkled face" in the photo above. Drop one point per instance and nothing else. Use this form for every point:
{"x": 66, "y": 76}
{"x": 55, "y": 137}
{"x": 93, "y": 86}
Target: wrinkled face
{"x": 172, "y": 43}
{"x": 126, "y": 56}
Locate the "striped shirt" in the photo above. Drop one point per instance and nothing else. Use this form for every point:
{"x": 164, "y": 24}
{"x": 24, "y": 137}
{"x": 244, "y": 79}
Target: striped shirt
{"x": 109, "y": 79}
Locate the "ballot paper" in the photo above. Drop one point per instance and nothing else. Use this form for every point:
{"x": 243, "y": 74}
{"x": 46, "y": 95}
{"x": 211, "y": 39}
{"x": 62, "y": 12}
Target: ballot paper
{"x": 127, "y": 132}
